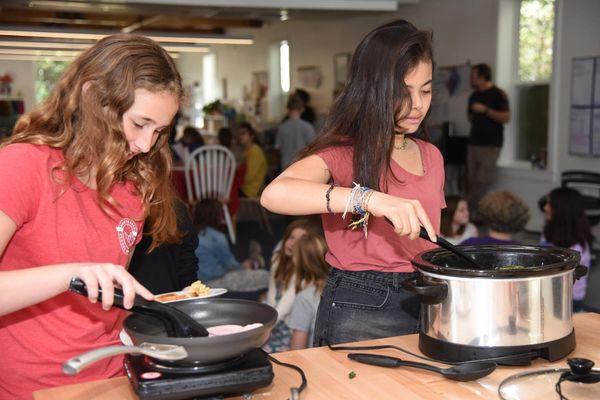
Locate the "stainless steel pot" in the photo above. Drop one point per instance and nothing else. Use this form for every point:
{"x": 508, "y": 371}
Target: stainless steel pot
{"x": 488, "y": 307}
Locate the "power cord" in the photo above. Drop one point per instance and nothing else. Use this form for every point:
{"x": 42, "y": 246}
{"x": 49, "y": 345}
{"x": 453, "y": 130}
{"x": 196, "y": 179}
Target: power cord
{"x": 295, "y": 391}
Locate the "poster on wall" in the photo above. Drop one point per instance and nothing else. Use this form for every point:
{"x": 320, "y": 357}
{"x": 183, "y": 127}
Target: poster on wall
{"x": 451, "y": 88}
{"x": 584, "y": 127}
{"x": 310, "y": 76}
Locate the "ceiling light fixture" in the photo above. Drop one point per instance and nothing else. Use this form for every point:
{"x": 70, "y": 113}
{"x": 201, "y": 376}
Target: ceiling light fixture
{"x": 82, "y": 46}
{"x": 11, "y": 57}
{"x": 56, "y": 34}
{"x": 33, "y": 52}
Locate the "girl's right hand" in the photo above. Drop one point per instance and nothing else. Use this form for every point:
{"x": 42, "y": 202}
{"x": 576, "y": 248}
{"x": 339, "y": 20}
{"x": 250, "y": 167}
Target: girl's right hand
{"x": 406, "y": 215}
{"x": 105, "y": 276}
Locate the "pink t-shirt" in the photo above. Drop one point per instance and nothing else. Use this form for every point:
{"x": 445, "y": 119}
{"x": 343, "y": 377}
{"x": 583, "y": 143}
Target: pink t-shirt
{"x": 383, "y": 250}
{"x": 58, "y": 224}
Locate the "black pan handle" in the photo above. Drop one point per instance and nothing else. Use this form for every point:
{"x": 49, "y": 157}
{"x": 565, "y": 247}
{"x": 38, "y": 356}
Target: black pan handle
{"x": 176, "y": 322}
{"x": 579, "y": 272}
{"x": 428, "y": 292}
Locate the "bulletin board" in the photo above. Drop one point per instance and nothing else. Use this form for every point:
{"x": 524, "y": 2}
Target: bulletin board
{"x": 584, "y": 125}
{"x": 451, "y": 91}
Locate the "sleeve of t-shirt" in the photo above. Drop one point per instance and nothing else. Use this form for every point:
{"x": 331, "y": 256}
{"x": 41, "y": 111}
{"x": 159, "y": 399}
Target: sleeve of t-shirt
{"x": 309, "y": 134}
{"x": 277, "y": 140}
{"x": 22, "y": 169}
{"x": 339, "y": 163}
{"x": 502, "y": 101}
{"x": 300, "y": 319}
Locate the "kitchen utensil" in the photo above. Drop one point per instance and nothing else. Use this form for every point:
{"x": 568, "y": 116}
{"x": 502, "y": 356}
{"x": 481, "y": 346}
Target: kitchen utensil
{"x": 492, "y": 311}
{"x": 176, "y": 322}
{"x": 209, "y": 312}
{"x": 463, "y": 372}
{"x": 446, "y": 245}
{"x": 163, "y": 352}
{"x": 577, "y": 382}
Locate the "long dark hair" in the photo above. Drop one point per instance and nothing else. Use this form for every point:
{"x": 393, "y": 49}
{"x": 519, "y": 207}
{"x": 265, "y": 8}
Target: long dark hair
{"x": 448, "y": 217}
{"x": 207, "y": 213}
{"x": 568, "y": 224}
{"x": 365, "y": 112}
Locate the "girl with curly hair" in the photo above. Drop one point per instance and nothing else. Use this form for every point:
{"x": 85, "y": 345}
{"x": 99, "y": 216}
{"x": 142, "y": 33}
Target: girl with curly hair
{"x": 80, "y": 176}
{"x": 504, "y": 214}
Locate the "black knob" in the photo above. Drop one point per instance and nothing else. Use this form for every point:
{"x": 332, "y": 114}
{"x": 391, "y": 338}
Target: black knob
{"x": 580, "y": 366}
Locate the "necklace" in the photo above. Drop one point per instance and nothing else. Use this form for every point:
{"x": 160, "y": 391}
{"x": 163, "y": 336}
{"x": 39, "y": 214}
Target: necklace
{"x": 402, "y": 145}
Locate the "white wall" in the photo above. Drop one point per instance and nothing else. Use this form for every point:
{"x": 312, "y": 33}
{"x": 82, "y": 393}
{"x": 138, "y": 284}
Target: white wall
{"x": 23, "y": 80}
{"x": 463, "y": 30}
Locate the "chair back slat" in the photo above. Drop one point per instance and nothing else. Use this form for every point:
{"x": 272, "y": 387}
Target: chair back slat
{"x": 209, "y": 172}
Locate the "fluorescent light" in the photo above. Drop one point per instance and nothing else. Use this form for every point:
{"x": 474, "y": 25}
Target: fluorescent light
{"x": 11, "y": 57}
{"x": 284, "y": 66}
{"x": 33, "y": 52}
{"x": 186, "y": 49}
{"x": 56, "y": 34}
{"x": 43, "y": 45}
{"x": 64, "y": 45}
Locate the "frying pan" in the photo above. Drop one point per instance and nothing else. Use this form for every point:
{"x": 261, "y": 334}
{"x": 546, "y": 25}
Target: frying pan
{"x": 209, "y": 312}
{"x": 150, "y": 331}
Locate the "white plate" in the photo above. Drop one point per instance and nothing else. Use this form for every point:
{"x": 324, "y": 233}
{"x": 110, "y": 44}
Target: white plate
{"x": 214, "y": 292}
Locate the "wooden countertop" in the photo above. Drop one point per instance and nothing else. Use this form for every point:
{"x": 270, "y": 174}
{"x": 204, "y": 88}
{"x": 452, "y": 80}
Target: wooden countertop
{"x": 327, "y": 375}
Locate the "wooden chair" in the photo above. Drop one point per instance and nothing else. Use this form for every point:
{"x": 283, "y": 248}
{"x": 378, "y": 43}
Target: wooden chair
{"x": 209, "y": 172}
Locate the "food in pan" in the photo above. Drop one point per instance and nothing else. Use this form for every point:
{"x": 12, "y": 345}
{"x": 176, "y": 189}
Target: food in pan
{"x": 510, "y": 267}
{"x": 221, "y": 330}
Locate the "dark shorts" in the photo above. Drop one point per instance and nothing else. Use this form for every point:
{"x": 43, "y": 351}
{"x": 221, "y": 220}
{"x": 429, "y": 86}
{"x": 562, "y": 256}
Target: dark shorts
{"x": 365, "y": 305}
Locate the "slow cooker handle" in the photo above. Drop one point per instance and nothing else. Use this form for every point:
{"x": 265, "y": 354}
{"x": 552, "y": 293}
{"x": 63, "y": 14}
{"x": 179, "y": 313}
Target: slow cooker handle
{"x": 429, "y": 292}
{"x": 579, "y": 272}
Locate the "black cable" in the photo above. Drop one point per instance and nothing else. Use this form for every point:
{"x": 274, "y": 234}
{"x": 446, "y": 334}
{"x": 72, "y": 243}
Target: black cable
{"x": 563, "y": 377}
{"x": 389, "y": 346}
{"x": 295, "y": 391}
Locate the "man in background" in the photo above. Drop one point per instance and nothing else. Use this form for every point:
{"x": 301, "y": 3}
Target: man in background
{"x": 293, "y": 134}
{"x": 488, "y": 112}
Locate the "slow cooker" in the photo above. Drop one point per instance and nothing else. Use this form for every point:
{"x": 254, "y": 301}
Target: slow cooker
{"x": 519, "y": 302}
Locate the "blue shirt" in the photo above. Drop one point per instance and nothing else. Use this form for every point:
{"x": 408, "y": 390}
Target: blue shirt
{"x": 214, "y": 255}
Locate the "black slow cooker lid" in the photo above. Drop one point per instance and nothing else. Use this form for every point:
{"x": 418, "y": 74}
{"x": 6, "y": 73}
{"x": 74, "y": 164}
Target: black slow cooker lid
{"x": 502, "y": 261}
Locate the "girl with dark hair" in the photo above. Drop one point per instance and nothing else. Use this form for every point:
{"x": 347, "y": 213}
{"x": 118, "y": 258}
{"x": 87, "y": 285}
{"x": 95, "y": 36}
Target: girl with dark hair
{"x": 567, "y": 226}
{"x": 79, "y": 178}
{"x": 371, "y": 161}
{"x": 455, "y": 226}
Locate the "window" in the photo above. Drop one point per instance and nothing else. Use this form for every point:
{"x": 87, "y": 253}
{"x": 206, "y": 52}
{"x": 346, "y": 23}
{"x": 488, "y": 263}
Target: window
{"x": 47, "y": 74}
{"x": 531, "y": 89}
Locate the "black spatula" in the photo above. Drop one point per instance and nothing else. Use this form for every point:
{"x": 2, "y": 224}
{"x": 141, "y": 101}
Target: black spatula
{"x": 177, "y": 323}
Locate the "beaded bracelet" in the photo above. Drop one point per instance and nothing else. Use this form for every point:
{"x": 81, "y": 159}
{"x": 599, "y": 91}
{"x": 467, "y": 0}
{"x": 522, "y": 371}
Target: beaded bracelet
{"x": 328, "y": 198}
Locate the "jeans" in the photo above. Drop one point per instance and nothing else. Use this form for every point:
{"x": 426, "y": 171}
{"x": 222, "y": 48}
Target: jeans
{"x": 364, "y": 305}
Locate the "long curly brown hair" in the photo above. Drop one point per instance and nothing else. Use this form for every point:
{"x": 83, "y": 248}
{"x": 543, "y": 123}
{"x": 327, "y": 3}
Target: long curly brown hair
{"x": 83, "y": 117}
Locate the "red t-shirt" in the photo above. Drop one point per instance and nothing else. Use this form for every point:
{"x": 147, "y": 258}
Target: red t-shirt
{"x": 382, "y": 249}
{"x": 58, "y": 224}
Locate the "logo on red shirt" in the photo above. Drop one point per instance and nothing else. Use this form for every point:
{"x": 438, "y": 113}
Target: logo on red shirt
{"x": 127, "y": 231}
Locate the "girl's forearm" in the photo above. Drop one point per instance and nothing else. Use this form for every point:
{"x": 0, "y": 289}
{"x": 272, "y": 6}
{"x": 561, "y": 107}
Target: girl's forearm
{"x": 24, "y": 287}
{"x": 294, "y": 196}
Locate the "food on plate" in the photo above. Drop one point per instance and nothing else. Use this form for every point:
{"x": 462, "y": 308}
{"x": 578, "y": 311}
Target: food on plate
{"x": 199, "y": 289}
{"x": 196, "y": 289}
{"x": 221, "y": 330}
{"x": 163, "y": 298}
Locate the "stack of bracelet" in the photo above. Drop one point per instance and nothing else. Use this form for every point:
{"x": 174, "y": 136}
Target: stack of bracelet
{"x": 357, "y": 202}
